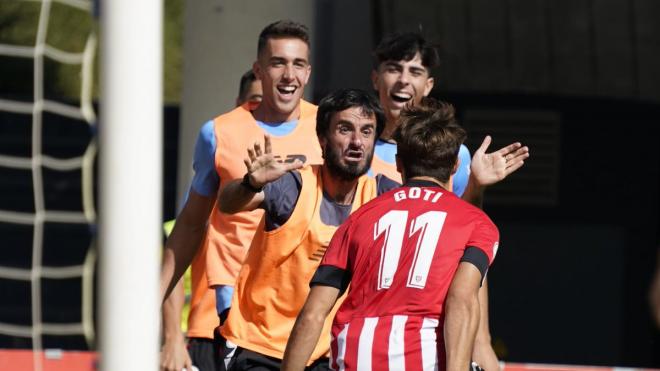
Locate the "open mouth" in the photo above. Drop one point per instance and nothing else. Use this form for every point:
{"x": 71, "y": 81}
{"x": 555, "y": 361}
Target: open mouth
{"x": 287, "y": 90}
{"x": 354, "y": 155}
{"x": 401, "y": 97}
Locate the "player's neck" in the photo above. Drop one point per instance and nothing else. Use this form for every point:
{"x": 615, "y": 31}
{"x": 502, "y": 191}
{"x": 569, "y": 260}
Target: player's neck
{"x": 339, "y": 190}
{"x": 390, "y": 127}
{"x": 445, "y": 185}
{"x": 264, "y": 113}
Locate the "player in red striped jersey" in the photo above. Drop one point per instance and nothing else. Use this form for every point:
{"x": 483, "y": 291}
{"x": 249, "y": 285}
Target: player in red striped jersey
{"x": 415, "y": 258}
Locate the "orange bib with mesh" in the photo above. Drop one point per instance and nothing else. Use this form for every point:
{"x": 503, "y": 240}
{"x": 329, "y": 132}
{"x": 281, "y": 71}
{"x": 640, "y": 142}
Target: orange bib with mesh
{"x": 274, "y": 281}
{"x": 229, "y": 236}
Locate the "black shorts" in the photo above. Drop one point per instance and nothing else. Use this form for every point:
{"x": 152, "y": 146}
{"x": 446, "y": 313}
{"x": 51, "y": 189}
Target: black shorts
{"x": 203, "y": 353}
{"x": 241, "y": 359}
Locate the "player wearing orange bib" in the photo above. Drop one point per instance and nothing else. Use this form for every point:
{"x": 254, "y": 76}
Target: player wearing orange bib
{"x": 283, "y": 68}
{"x": 202, "y": 317}
{"x": 303, "y": 207}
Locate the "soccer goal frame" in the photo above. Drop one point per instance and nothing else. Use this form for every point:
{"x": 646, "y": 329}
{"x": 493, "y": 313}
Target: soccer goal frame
{"x": 131, "y": 182}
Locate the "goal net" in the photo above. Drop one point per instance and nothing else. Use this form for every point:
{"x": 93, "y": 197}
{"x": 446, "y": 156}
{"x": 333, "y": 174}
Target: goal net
{"x": 47, "y": 156}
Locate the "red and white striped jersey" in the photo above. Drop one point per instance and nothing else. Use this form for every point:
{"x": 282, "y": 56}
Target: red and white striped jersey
{"x": 399, "y": 253}
{"x": 396, "y": 342}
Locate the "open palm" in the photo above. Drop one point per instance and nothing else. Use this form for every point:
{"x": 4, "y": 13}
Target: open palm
{"x": 490, "y": 168}
{"x": 263, "y": 167}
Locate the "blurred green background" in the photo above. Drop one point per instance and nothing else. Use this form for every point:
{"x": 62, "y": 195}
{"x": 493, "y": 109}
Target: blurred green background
{"x": 68, "y": 30}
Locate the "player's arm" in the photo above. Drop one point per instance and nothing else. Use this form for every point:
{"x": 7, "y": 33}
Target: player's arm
{"x": 480, "y": 252}
{"x": 174, "y": 355}
{"x": 245, "y": 194}
{"x": 483, "y": 352}
{"x": 461, "y": 316}
{"x": 307, "y": 329}
{"x": 188, "y": 232}
{"x": 489, "y": 168}
{"x": 185, "y": 240}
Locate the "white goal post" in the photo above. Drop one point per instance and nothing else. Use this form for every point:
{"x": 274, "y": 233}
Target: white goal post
{"x": 131, "y": 182}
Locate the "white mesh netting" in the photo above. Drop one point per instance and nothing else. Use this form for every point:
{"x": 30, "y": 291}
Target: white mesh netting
{"x": 60, "y": 169}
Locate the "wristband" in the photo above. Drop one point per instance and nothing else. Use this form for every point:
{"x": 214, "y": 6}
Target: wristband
{"x": 246, "y": 183}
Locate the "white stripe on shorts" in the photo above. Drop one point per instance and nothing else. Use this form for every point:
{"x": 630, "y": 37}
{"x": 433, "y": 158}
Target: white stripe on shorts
{"x": 396, "y": 356}
{"x": 366, "y": 344}
{"x": 429, "y": 345}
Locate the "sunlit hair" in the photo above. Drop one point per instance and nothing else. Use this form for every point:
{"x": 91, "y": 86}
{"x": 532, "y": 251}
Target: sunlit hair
{"x": 282, "y": 29}
{"x": 403, "y": 46}
{"x": 428, "y": 139}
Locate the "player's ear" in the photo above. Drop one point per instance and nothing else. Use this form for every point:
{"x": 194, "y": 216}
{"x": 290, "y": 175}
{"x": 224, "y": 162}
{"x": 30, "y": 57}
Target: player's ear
{"x": 308, "y": 72}
{"x": 256, "y": 68}
{"x": 428, "y": 86}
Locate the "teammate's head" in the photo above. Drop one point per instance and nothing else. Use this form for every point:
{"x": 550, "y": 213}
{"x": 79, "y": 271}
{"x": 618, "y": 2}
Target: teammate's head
{"x": 283, "y": 29}
{"x": 249, "y": 90}
{"x": 283, "y": 67}
{"x": 428, "y": 139}
{"x": 402, "y": 71}
{"x": 348, "y": 122}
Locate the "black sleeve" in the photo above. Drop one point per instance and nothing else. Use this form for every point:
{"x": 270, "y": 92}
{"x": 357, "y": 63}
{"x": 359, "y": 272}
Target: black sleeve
{"x": 385, "y": 184}
{"x": 280, "y": 198}
{"x": 329, "y": 275}
{"x": 478, "y": 258}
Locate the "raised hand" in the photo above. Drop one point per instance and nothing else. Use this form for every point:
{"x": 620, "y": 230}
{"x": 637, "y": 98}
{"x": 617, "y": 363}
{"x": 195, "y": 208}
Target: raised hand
{"x": 262, "y": 166}
{"x": 490, "y": 168}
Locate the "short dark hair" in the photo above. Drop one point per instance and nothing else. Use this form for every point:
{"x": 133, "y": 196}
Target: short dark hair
{"x": 428, "y": 139}
{"x": 343, "y": 99}
{"x": 404, "y": 46}
{"x": 247, "y": 79}
{"x": 282, "y": 29}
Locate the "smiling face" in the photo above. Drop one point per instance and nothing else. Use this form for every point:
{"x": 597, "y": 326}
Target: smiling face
{"x": 400, "y": 83}
{"x": 348, "y": 145}
{"x": 283, "y": 68}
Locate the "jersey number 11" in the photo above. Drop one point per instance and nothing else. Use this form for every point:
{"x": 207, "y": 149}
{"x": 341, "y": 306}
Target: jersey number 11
{"x": 393, "y": 224}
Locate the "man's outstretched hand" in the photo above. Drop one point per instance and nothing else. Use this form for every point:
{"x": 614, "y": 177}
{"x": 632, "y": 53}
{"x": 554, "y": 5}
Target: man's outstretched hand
{"x": 490, "y": 168}
{"x": 262, "y": 166}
